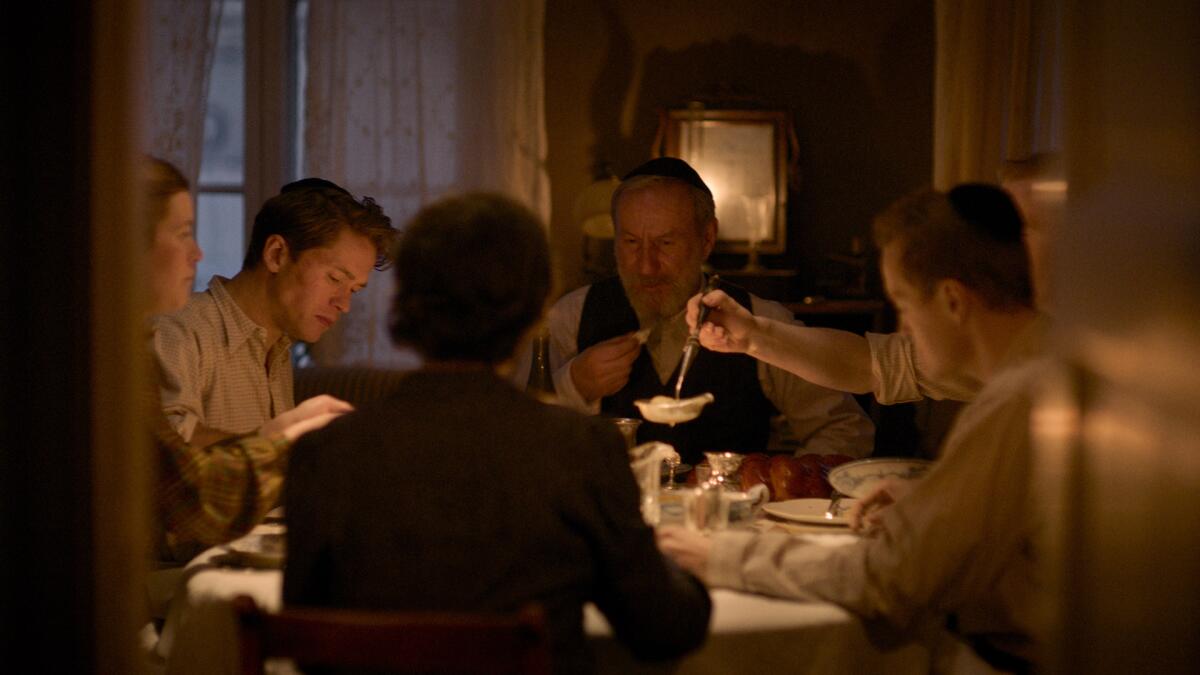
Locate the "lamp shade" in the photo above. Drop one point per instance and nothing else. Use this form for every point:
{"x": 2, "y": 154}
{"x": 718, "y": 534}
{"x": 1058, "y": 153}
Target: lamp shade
{"x": 592, "y": 213}
{"x": 592, "y": 209}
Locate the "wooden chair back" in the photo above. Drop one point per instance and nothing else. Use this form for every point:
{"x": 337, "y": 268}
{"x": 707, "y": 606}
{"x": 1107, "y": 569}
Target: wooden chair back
{"x": 405, "y": 642}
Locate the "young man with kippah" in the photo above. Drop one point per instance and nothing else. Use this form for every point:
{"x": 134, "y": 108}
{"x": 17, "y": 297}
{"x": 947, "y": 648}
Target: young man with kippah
{"x": 959, "y": 546}
{"x": 666, "y": 228}
{"x": 885, "y": 364}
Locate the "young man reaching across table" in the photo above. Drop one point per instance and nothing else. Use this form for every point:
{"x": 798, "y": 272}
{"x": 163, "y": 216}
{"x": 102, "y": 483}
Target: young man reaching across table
{"x": 959, "y": 544}
{"x": 884, "y": 363}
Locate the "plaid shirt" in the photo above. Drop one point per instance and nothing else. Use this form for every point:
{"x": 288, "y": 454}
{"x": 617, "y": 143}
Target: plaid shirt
{"x": 211, "y": 495}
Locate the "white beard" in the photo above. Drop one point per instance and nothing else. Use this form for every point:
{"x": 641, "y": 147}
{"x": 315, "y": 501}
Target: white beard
{"x": 651, "y": 310}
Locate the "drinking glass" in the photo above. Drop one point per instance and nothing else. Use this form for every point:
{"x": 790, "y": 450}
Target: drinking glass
{"x": 628, "y": 427}
{"x": 672, "y": 465}
{"x": 722, "y": 466}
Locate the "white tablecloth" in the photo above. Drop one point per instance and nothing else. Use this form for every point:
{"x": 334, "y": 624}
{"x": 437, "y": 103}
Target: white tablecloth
{"x": 748, "y": 633}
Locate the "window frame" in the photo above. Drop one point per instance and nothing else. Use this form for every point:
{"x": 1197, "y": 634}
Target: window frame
{"x": 272, "y": 115}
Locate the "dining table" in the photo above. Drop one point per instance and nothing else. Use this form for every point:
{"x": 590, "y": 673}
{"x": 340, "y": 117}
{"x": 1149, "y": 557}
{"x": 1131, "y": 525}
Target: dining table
{"x": 748, "y": 633}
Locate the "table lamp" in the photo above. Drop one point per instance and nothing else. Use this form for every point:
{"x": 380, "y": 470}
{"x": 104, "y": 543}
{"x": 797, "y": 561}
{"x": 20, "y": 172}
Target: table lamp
{"x": 592, "y": 211}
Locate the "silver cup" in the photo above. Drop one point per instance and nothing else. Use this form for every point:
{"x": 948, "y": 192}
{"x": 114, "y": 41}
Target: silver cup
{"x": 628, "y": 427}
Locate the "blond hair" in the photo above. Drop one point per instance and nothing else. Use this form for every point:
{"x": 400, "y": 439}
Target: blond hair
{"x": 160, "y": 181}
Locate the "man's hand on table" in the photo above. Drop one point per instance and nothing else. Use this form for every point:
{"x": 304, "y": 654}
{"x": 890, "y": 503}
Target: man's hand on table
{"x": 866, "y": 513}
{"x": 688, "y": 548}
{"x": 310, "y": 415}
{"x": 603, "y": 369}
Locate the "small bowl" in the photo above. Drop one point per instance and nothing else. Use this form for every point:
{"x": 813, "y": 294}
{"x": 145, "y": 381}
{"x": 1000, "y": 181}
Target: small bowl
{"x": 726, "y": 463}
{"x": 667, "y": 410}
{"x": 858, "y": 479}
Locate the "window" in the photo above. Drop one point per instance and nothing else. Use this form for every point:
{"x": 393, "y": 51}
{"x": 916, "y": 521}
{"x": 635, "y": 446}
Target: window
{"x": 222, "y": 212}
{"x": 221, "y": 190}
{"x": 298, "y": 71}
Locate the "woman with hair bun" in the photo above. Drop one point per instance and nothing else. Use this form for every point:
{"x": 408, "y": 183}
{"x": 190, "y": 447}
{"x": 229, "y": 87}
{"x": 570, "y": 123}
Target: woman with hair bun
{"x": 460, "y": 492}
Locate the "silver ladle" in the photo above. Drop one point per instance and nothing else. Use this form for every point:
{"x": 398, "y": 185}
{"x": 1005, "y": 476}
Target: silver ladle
{"x": 692, "y": 347}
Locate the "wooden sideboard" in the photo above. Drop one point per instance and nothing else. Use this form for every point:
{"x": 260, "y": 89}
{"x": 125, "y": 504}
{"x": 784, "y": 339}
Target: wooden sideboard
{"x": 854, "y": 315}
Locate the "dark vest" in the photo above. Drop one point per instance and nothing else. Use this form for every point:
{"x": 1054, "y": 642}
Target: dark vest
{"x": 739, "y": 417}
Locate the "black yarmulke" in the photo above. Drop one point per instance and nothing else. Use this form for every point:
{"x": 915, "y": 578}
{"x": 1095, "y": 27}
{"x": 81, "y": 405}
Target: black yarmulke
{"x": 670, "y": 167}
{"x": 989, "y": 209}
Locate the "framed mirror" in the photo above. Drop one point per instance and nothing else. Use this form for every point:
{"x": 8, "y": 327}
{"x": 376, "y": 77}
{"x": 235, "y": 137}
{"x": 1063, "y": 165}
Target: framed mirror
{"x": 742, "y": 155}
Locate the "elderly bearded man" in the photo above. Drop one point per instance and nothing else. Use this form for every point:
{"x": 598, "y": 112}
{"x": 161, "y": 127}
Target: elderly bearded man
{"x": 665, "y": 229}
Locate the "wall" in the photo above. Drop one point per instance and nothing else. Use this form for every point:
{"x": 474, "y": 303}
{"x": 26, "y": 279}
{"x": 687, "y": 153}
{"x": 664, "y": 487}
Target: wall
{"x": 1127, "y": 525}
{"x": 857, "y": 76}
{"x": 74, "y": 461}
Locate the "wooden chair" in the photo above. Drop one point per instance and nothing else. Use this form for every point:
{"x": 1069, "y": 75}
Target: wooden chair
{"x": 357, "y": 385}
{"x": 406, "y": 642}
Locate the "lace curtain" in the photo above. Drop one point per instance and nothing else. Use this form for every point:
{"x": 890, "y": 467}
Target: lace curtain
{"x": 409, "y": 101}
{"x": 998, "y": 90}
{"x": 182, "y": 42}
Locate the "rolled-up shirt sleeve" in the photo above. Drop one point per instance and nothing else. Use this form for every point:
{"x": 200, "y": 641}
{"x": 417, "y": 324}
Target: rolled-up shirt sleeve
{"x": 822, "y": 420}
{"x": 899, "y": 377}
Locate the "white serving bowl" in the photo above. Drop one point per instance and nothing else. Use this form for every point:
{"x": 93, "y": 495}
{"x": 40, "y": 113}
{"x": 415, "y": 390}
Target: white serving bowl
{"x": 667, "y": 410}
{"x": 857, "y": 479}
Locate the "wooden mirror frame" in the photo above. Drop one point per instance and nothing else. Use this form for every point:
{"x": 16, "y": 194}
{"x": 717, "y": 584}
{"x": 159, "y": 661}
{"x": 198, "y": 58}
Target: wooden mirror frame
{"x": 734, "y": 150}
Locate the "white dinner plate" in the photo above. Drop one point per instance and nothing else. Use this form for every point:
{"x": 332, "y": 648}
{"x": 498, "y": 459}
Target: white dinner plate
{"x": 811, "y": 511}
{"x": 859, "y": 478}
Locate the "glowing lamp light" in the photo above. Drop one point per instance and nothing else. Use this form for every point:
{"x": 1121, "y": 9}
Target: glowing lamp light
{"x": 1050, "y": 186}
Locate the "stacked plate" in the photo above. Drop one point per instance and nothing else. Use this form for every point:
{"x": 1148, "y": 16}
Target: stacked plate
{"x": 810, "y": 511}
